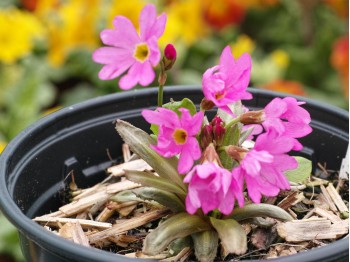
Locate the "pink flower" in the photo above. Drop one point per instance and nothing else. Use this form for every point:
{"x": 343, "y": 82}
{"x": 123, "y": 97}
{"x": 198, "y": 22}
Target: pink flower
{"x": 287, "y": 118}
{"x": 263, "y": 166}
{"x": 212, "y": 187}
{"x": 129, "y": 51}
{"x": 177, "y": 135}
{"x": 227, "y": 82}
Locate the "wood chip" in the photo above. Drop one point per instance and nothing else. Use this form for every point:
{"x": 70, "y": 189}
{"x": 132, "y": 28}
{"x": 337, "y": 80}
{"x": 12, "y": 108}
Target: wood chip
{"x": 55, "y": 221}
{"x": 79, "y": 236}
{"x": 126, "y": 152}
{"x": 336, "y": 198}
{"x": 129, "y": 224}
{"x": 327, "y": 214}
{"x": 309, "y": 229}
{"x": 139, "y": 165}
{"x": 291, "y": 200}
{"x": 328, "y": 199}
{"x": 86, "y": 202}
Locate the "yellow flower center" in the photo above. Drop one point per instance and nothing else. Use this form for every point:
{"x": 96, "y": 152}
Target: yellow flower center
{"x": 180, "y": 136}
{"x": 141, "y": 52}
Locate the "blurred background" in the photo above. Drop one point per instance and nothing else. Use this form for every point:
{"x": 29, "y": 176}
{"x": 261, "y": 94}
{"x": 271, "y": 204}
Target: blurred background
{"x": 297, "y": 46}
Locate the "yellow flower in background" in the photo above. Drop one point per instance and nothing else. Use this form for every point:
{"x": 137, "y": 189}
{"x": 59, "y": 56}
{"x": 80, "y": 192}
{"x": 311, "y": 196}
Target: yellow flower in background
{"x": 129, "y": 8}
{"x": 185, "y": 22}
{"x": 71, "y": 25}
{"x": 18, "y": 30}
{"x": 244, "y": 44}
{"x": 280, "y": 58}
{"x": 2, "y": 146}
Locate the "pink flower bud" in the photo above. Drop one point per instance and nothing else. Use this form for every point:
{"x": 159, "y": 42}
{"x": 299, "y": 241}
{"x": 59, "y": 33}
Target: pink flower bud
{"x": 206, "y": 136}
{"x": 170, "y": 52}
{"x": 169, "y": 57}
{"x": 218, "y": 130}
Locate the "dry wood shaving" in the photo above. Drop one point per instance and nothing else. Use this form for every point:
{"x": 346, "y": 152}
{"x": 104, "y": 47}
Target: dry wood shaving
{"x": 93, "y": 220}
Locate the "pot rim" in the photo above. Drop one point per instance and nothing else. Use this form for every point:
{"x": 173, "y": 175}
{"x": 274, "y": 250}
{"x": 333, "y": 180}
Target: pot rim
{"x": 39, "y": 235}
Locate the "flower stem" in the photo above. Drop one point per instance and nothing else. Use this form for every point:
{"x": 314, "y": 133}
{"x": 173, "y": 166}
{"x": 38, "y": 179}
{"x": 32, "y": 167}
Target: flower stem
{"x": 232, "y": 122}
{"x": 161, "y": 80}
{"x": 160, "y": 95}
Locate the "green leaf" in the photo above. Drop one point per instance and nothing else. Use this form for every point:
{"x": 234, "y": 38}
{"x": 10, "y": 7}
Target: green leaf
{"x": 179, "y": 244}
{"x": 155, "y": 129}
{"x": 260, "y": 210}
{"x": 148, "y": 179}
{"x": 184, "y": 103}
{"x": 125, "y": 196}
{"x": 163, "y": 197}
{"x": 232, "y": 235}
{"x": 302, "y": 172}
{"x": 139, "y": 142}
{"x": 231, "y": 138}
{"x": 177, "y": 226}
{"x": 205, "y": 245}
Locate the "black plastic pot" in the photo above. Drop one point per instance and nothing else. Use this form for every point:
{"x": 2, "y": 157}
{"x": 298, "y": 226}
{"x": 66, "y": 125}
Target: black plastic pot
{"x": 34, "y": 165}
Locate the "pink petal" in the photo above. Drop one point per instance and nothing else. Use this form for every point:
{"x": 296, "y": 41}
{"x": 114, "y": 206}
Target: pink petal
{"x": 226, "y": 59}
{"x": 296, "y": 113}
{"x": 154, "y": 56}
{"x": 138, "y": 73}
{"x": 146, "y": 73}
{"x": 226, "y": 180}
{"x": 162, "y": 117}
{"x": 187, "y": 155}
{"x": 297, "y": 130}
{"x": 226, "y": 203}
{"x": 275, "y": 108}
{"x": 147, "y": 19}
{"x": 112, "y": 55}
{"x": 273, "y": 143}
{"x": 243, "y": 68}
{"x": 192, "y": 202}
{"x": 150, "y": 25}
{"x": 112, "y": 71}
{"x": 191, "y": 124}
{"x": 124, "y": 35}
{"x": 297, "y": 146}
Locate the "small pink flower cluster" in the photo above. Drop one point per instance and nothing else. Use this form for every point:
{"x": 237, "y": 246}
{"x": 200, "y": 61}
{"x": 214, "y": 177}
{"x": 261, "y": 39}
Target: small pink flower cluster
{"x": 211, "y": 186}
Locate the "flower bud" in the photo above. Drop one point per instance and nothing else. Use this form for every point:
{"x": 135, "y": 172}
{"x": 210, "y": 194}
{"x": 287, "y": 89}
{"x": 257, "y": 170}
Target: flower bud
{"x": 206, "y": 104}
{"x": 218, "y": 130}
{"x": 206, "y": 136}
{"x": 216, "y": 121}
{"x": 236, "y": 153}
{"x": 252, "y": 117}
{"x": 169, "y": 57}
{"x": 210, "y": 155}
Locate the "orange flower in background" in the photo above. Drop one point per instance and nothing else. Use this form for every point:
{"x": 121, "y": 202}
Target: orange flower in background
{"x": 340, "y": 61}
{"x": 341, "y": 7}
{"x": 286, "y": 86}
{"x": 221, "y": 13}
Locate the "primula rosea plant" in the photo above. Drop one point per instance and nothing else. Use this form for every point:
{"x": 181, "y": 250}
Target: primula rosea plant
{"x": 212, "y": 173}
